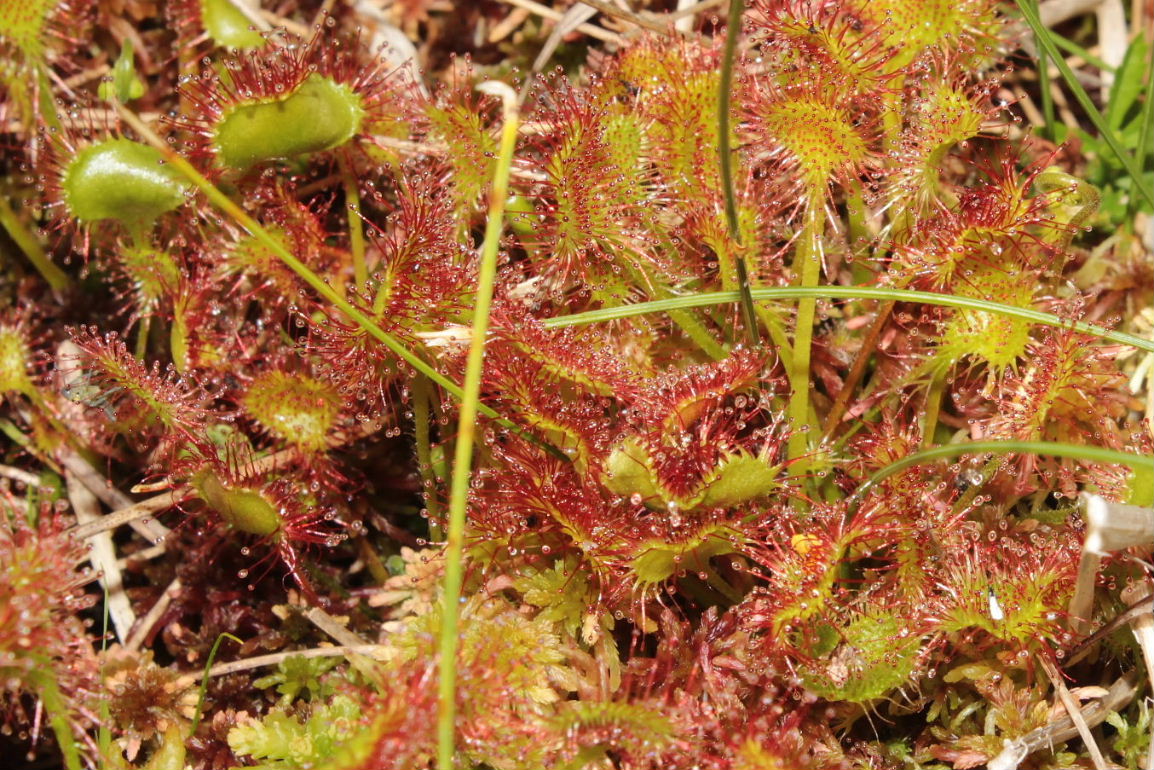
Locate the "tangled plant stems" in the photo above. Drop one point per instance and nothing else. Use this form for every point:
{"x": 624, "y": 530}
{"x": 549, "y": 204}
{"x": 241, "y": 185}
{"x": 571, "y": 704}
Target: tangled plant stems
{"x": 724, "y": 403}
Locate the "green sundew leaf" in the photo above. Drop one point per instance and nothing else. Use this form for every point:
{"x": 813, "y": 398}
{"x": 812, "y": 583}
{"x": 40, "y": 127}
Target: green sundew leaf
{"x": 319, "y": 114}
{"x": 170, "y": 753}
{"x": 472, "y": 149}
{"x": 1141, "y": 487}
{"x": 629, "y": 472}
{"x": 245, "y": 509}
{"x": 125, "y": 84}
{"x": 294, "y": 407}
{"x": 876, "y": 655}
{"x": 658, "y": 560}
{"x": 1128, "y": 84}
{"x": 227, "y": 26}
{"x": 736, "y": 478}
{"x": 598, "y": 727}
{"x": 739, "y": 478}
{"x": 122, "y": 180}
{"x": 25, "y": 25}
{"x": 15, "y": 362}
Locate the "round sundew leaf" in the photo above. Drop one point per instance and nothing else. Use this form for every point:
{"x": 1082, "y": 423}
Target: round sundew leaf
{"x": 296, "y": 408}
{"x": 739, "y": 478}
{"x": 244, "y": 509}
{"x": 227, "y": 26}
{"x": 122, "y": 180}
{"x": 14, "y": 359}
{"x": 320, "y": 114}
{"x": 877, "y": 654}
{"x": 628, "y": 472}
{"x": 658, "y": 560}
{"x": 823, "y": 138}
{"x": 24, "y": 23}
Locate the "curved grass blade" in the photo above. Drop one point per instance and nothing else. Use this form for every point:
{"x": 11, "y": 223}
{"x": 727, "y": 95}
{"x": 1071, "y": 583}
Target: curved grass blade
{"x": 847, "y": 292}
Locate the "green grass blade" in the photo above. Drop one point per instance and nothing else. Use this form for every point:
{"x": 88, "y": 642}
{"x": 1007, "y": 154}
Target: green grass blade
{"x": 1052, "y": 449}
{"x": 1072, "y": 48}
{"x": 254, "y": 228}
{"x": 847, "y": 292}
{"x": 1146, "y": 130}
{"x": 203, "y": 692}
{"x": 31, "y": 248}
{"x": 1046, "y": 42}
{"x": 1044, "y": 87}
{"x": 724, "y": 94}
{"x": 466, "y": 429}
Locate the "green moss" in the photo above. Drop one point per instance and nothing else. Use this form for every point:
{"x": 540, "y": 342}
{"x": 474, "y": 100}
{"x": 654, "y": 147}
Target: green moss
{"x": 285, "y": 741}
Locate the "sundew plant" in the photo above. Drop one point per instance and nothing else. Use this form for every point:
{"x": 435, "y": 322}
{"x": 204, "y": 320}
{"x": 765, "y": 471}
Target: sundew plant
{"x": 624, "y": 385}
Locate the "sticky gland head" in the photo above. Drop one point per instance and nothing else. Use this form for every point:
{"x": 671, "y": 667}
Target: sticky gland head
{"x": 119, "y": 179}
{"x": 319, "y": 114}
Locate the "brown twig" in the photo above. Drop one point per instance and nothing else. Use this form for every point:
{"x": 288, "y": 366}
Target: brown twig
{"x": 1074, "y": 713}
{"x": 110, "y": 495}
{"x": 153, "y": 616}
{"x": 334, "y": 628}
{"x": 1083, "y": 649}
{"x": 20, "y": 476}
{"x": 637, "y": 20}
{"x": 696, "y": 8}
{"x": 132, "y": 513}
{"x": 232, "y": 667}
{"x": 546, "y": 12}
{"x": 102, "y": 554}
